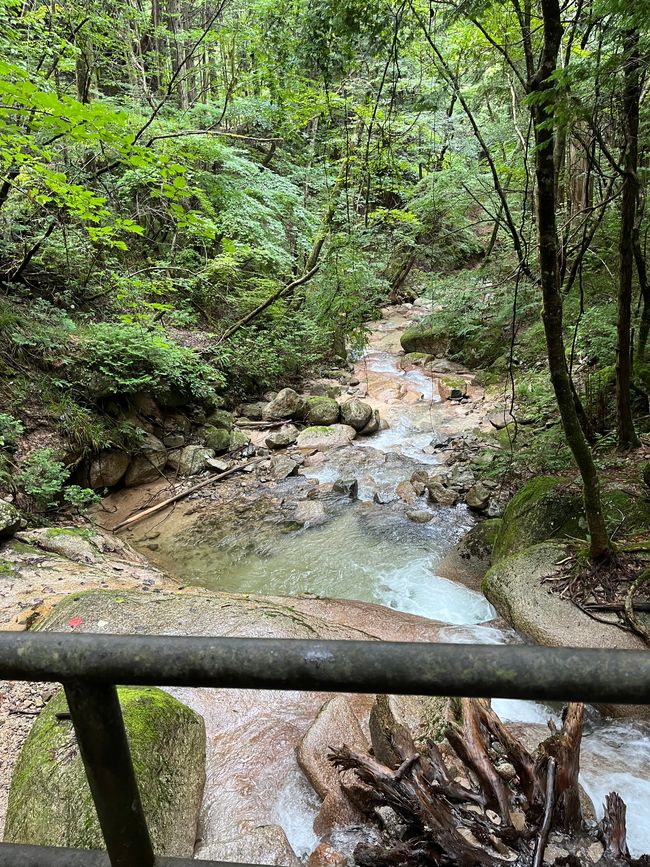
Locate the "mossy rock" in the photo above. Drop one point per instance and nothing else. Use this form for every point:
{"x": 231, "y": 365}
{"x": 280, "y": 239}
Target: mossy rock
{"x": 50, "y": 802}
{"x": 626, "y": 511}
{"x": 424, "y": 337}
{"x": 220, "y": 419}
{"x": 546, "y": 507}
{"x": 216, "y": 438}
{"x": 10, "y": 519}
{"x": 238, "y": 440}
{"x": 321, "y": 410}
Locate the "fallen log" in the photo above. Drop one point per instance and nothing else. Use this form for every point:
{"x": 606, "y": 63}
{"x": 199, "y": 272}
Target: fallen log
{"x": 145, "y": 513}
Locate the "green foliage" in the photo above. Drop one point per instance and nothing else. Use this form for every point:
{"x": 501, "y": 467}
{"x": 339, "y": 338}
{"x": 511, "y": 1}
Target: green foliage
{"x": 42, "y": 477}
{"x": 10, "y": 430}
{"x": 120, "y": 359}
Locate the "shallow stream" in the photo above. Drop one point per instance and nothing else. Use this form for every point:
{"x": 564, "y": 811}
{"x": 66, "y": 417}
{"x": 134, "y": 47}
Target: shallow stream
{"x": 371, "y": 551}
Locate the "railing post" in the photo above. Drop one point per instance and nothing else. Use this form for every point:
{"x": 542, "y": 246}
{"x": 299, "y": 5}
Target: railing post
{"x": 99, "y": 727}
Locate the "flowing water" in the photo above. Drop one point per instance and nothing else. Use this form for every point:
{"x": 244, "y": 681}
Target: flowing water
{"x": 369, "y": 551}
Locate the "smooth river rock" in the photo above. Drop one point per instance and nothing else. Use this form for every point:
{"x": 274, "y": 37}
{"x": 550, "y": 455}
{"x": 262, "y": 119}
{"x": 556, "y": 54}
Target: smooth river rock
{"x": 333, "y": 437}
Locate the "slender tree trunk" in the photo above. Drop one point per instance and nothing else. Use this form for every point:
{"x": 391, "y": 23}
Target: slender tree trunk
{"x": 550, "y": 276}
{"x": 626, "y": 434}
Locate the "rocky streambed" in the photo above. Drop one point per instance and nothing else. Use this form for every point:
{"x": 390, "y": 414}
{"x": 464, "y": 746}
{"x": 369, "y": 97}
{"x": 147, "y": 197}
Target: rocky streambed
{"x": 346, "y": 536}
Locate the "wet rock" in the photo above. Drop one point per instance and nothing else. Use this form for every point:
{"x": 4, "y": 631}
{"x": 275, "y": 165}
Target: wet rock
{"x": 553, "y": 852}
{"x": 384, "y": 498}
{"x": 282, "y": 467}
{"x": 325, "y": 855}
{"x": 148, "y": 462}
{"x": 220, "y": 418}
{"x": 266, "y": 844}
{"x": 314, "y": 460}
{"x": 335, "y": 725}
{"x": 419, "y": 516}
{"x": 282, "y": 438}
{"x": 190, "y": 460}
{"x": 50, "y": 802}
{"x": 347, "y": 487}
{"x": 254, "y": 411}
{"x": 440, "y": 494}
{"x": 406, "y": 492}
{"x": 310, "y": 513}
{"x": 478, "y": 497}
{"x": 514, "y": 586}
{"x": 286, "y": 404}
{"x": 471, "y": 557}
{"x": 216, "y": 438}
{"x": 107, "y": 468}
{"x": 373, "y": 425}
{"x": 333, "y": 437}
{"x": 356, "y": 413}
{"x": 321, "y": 410}
{"x": 336, "y": 812}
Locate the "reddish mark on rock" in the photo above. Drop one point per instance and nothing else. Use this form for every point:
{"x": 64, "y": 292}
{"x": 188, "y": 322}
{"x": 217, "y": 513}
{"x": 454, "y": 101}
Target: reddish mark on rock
{"x": 75, "y": 621}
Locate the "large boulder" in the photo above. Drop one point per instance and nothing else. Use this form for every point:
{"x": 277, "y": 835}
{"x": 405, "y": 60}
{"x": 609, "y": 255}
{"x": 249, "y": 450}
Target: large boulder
{"x": 107, "y": 468}
{"x": 286, "y": 404}
{"x": 50, "y": 802}
{"x": 544, "y": 508}
{"x": 190, "y": 460}
{"x": 321, "y": 410}
{"x": 424, "y": 336}
{"x": 254, "y": 411}
{"x": 216, "y": 438}
{"x": 147, "y": 463}
{"x": 514, "y": 585}
{"x": 220, "y": 418}
{"x": 10, "y": 519}
{"x": 548, "y": 507}
{"x": 333, "y": 437}
{"x": 266, "y": 844}
{"x": 356, "y": 413}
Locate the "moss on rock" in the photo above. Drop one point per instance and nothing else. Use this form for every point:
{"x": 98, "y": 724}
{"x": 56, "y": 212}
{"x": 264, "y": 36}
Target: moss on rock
{"x": 424, "y": 337}
{"x": 544, "y": 508}
{"x": 50, "y": 802}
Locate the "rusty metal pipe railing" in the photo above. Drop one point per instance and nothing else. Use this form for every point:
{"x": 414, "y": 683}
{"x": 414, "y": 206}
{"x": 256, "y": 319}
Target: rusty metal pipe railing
{"x": 89, "y": 666}
{"x": 476, "y": 670}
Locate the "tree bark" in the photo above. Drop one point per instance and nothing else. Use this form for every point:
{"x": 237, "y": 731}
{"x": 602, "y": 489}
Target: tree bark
{"x": 626, "y": 435}
{"x": 552, "y": 314}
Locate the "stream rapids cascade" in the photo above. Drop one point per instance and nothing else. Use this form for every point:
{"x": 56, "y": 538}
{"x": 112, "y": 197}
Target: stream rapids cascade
{"x": 303, "y": 542}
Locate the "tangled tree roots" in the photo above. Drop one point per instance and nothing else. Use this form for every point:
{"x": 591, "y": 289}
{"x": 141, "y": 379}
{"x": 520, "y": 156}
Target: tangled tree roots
{"x": 488, "y": 802}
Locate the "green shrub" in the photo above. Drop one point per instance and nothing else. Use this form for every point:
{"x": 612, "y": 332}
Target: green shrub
{"x": 10, "y": 430}
{"x": 42, "y": 477}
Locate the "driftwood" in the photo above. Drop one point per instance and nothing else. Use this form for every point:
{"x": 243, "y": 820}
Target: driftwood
{"x": 145, "y": 513}
{"x": 466, "y": 810}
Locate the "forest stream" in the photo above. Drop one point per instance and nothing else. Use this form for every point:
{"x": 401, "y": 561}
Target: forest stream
{"x": 368, "y": 550}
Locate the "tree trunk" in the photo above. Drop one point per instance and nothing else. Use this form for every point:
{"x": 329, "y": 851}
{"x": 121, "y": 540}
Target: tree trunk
{"x": 552, "y": 312}
{"x": 626, "y": 434}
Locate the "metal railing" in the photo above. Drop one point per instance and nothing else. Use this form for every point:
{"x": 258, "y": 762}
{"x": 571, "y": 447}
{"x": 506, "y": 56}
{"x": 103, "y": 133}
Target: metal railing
{"x": 90, "y": 666}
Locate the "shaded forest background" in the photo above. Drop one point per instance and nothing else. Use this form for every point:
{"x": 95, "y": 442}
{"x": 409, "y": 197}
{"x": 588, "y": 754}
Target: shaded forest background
{"x": 203, "y": 201}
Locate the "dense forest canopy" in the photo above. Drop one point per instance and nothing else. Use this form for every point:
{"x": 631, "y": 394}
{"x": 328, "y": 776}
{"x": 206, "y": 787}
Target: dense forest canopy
{"x": 210, "y": 198}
